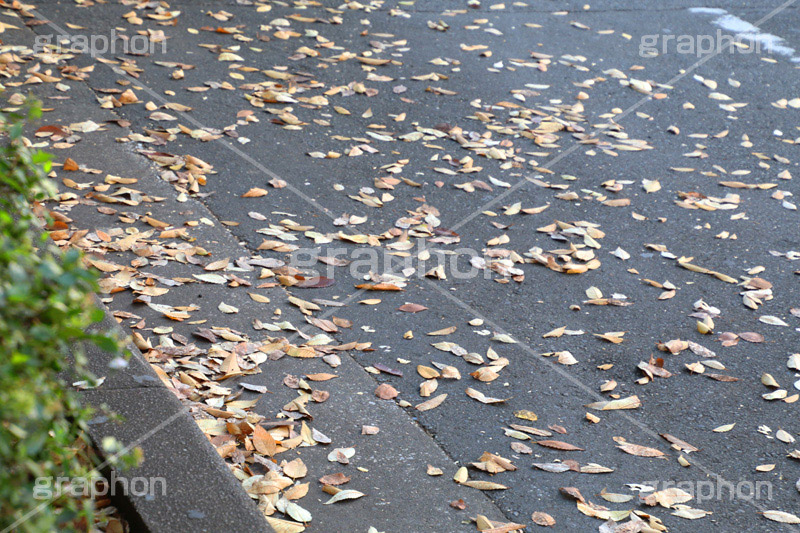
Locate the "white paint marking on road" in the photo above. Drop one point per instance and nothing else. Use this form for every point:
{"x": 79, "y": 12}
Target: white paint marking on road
{"x": 708, "y": 10}
{"x": 747, "y": 31}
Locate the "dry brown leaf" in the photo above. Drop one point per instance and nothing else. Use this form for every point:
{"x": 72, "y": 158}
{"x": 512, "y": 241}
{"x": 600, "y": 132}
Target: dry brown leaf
{"x": 558, "y": 445}
{"x": 321, "y": 377}
{"x": 334, "y": 479}
{"x": 680, "y": 444}
{"x": 445, "y": 331}
{"x": 484, "y": 485}
{"x": 284, "y": 526}
{"x": 263, "y": 441}
{"x": 640, "y": 451}
{"x": 477, "y": 395}
{"x": 434, "y": 402}
{"x": 427, "y": 372}
{"x": 295, "y": 469}
{"x": 543, "y": 519}
{"x": 385, "y": 392}
{"x": 631, "y": 402}
{"x": 751, "y": 336}
{"x": 412, "y": 308}
{"x": 611, "y": 336}
{"x": 573, "y": 493}
{"x": 255, "y": 192}
{"x": 782, "y": 517}
{"x": 667, "y": 497}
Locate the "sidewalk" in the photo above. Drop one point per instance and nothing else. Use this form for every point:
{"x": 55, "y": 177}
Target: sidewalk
{"x": 597, "y": 299}
{"x": 389, "y": 468}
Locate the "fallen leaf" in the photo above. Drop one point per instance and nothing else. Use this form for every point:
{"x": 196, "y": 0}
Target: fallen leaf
{"x": 631, "y": 402}
{"x": 334, "y": 479}
{"x": 434, "y": 402}
{"x": 412, "y": 308}
{"x": 667, "y": 497}
{"x": 342, "y": 495}
{"x": 558, "y": 445}
{"x": 782, "y": 517}
{"x": 484, "y": 485}
{"x": 255, "y": 193}
{"x": 477, "y": 395}
{"x": 640, "y": 451}
{"x": 543, "y": 519}
{"x": 385, "y": 392}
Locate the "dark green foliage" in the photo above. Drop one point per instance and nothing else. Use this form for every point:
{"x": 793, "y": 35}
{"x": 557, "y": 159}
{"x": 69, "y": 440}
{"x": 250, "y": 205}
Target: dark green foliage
{"x": 45, "y": 307}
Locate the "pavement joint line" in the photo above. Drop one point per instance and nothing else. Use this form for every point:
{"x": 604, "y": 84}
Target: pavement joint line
{"x": 405, "y": 414}
{"x": 33, "y": 512}
{"x": 300, "y": 194}
{"x": 626, "y": 112}
{"x": 554, "y": 366}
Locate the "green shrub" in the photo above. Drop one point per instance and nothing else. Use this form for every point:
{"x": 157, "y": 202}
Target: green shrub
{"x": 45, "y": 306}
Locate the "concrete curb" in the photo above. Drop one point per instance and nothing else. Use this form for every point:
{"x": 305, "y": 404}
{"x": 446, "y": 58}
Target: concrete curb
{"x": 190, "y": 486}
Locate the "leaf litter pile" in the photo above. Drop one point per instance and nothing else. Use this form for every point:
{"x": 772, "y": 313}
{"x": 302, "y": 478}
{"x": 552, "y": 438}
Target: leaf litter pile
{"x": 417, "y": 168}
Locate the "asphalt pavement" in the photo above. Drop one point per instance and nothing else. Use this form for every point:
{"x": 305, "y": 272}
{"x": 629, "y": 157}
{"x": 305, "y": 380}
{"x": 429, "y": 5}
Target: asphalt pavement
{"x": 422, "y": 131}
